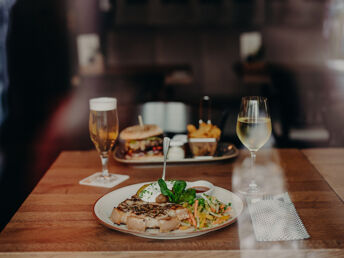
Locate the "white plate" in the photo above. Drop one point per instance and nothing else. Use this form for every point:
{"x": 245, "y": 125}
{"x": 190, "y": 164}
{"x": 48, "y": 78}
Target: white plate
{"x": 103, "y": 207}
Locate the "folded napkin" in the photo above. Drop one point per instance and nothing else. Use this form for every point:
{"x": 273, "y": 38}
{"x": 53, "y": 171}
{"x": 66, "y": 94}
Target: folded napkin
{"x": 274, "y": 218}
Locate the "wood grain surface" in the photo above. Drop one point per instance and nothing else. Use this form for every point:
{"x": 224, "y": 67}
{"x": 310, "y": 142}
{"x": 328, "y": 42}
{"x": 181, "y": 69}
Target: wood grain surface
{"x": 315, "y": 253}
{"x": 57, "y": 216}
{"x": 330, "y": 163}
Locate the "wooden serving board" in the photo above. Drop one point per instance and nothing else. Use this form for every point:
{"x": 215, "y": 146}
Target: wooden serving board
{"x": 224, "y": 151}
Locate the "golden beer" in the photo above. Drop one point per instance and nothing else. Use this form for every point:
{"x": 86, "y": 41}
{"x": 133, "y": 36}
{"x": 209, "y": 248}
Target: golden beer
{"x": 103, "y": 126}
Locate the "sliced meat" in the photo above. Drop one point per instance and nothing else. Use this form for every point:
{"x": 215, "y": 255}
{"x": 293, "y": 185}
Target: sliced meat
{"x": 151, "y": 222}
{"x": 180, "y": 212}
{"x": 139, "y": 215}
{"x": 168, "y": 224}
{"x": 136, "y": 223}
{"x": 118, "y": 216}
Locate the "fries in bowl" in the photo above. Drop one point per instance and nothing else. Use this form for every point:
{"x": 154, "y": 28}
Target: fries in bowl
{"x": 204, "y": 131}
{"x": 203, "y": 141}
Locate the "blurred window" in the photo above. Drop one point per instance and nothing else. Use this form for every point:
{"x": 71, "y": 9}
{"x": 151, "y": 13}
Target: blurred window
{"x": 172, "y": 117}
{"x": 334, "y": 29}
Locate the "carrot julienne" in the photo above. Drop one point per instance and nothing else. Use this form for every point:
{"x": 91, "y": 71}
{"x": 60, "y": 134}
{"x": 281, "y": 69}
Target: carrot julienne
{"x": 207, "y": 212}
{"x": 195, "y": 208}
{"x": 192, "y": 219}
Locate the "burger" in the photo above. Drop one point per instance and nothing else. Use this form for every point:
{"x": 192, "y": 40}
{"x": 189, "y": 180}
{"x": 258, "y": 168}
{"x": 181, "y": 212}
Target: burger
{"x": 142, "y": 142}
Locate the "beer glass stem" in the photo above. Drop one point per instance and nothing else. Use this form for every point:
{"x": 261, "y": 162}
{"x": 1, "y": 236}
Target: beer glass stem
{"x": 253, "y": 187}
{"x": 105, "y": 171}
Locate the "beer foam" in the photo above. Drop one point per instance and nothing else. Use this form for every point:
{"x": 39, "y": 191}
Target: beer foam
{"x": 103, "y": 104}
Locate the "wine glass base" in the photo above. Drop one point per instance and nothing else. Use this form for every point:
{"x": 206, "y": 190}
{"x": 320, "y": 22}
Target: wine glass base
{"x": 251, "y": 190}
{"x": 99, "y": 180}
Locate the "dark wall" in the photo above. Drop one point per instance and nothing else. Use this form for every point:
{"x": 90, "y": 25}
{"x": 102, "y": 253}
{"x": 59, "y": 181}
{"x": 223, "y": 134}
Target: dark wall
{"x": 38, "y": 70}
{"x": 205, "y": 36}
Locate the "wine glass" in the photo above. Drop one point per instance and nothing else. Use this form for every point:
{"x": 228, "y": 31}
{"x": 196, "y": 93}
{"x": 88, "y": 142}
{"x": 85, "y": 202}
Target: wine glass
{"x": 103, "y": 127}
{"x": 253, "y": 129}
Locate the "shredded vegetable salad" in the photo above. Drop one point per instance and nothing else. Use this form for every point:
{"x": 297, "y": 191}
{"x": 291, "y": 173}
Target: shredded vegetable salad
{"x": 206, "y": 212}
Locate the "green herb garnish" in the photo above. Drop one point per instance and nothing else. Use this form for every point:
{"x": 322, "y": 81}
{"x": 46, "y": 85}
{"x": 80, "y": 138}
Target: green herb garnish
{"x": 165, "y": 191}
{"x": 178, "y": 193}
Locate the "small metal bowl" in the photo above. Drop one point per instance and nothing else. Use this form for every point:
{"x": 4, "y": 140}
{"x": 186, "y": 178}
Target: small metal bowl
{"x": 203, "y": 146}
{"x": 201, "y": 185}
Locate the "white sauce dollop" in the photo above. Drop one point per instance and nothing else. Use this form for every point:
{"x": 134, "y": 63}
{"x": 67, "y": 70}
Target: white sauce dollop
{"x": 150, "y": 193}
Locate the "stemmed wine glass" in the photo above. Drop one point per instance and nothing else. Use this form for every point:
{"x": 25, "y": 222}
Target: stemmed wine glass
{"x": 254, "y": 130}
{"x": 103, "y": 127}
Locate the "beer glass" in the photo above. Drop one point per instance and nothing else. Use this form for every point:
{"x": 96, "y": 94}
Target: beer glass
{"x": 103, "y": 127}
{"x": 253, "y": 129}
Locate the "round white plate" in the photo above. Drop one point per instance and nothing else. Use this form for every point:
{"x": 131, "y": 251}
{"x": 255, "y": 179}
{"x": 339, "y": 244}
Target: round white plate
{"x": 103, "y": 207}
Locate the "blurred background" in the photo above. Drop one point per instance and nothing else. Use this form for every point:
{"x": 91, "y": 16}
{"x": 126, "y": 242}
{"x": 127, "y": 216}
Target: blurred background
{"x": 55, "y": 55}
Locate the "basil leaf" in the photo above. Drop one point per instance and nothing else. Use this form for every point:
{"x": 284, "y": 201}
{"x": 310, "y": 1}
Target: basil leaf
{"x": 188, "y": 195}
{"x": 178, "y": 188}
{"x": 165, "y": 191}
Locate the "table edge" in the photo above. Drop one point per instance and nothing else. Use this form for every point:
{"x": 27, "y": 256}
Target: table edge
{"x": 333, "y": 252}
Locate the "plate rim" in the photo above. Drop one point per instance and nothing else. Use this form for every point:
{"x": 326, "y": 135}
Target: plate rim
{"x": 185, "y": 160}
{"x": 165, "y": 236}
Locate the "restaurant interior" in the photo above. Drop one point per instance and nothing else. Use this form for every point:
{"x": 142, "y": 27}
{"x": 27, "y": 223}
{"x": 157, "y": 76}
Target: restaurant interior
{"x": 162, "y": 55}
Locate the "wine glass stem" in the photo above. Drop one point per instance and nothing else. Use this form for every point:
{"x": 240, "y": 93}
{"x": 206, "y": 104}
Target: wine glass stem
{"x": 104, "y": 160}
{"x": 253, "y": 184}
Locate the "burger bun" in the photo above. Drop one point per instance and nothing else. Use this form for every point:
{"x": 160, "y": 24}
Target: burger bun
{"x": 138, "y": 132}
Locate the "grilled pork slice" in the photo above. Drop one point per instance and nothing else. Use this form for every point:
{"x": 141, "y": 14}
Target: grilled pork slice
{"x": 139, "y": 215}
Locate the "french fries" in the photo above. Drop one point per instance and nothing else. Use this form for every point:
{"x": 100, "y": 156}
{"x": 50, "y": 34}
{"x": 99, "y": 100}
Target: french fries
{"x": 204, "y": 131}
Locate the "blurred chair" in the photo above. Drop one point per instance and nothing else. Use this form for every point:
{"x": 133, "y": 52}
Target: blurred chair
{"x": 333, "y": 115}
{"x": 172, "y": 117}
{"x": 298, "y": 94}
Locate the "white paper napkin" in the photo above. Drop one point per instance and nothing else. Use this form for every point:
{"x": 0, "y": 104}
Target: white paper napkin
{"x": 274, "y": 218}
{"x": 91, "y": 182}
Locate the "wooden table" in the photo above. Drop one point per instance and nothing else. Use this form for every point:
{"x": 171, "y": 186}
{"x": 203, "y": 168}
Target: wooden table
{"x": 330, "y": 164}
{"x": 56, "y": 219}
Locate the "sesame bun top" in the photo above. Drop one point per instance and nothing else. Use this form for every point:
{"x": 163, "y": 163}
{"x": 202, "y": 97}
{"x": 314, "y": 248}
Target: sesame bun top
{"x": 138, "y": 132}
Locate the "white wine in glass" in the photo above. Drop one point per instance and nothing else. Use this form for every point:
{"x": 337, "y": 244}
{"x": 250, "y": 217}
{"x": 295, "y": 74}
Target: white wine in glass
{"x": 254, "y": 133}
{"x": 103, "y": 127}
{"x": 254, "y": 130}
